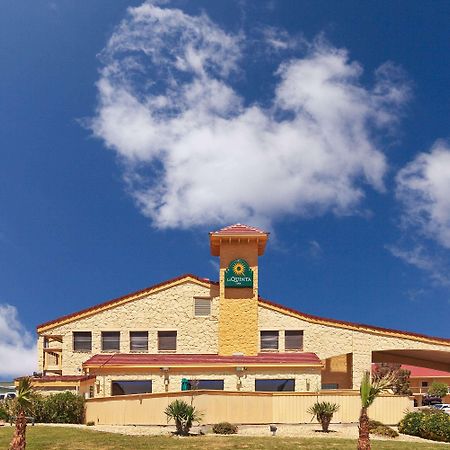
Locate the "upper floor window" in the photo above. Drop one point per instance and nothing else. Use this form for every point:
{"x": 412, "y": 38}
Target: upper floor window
{"x": 82, "y": 341}
{"x": 293, "y": 340}
{"x": 110, "y": 341}
{"x": 202, "y": 307}
{"x": 139, "y": 341}
{"x": 167, "y": 340}
{"x": 269, "y": 340}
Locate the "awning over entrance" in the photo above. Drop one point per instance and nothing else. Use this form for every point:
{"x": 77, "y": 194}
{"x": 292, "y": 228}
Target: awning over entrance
{"x": 186, "y": 360}
{"x": 432, "y": 359}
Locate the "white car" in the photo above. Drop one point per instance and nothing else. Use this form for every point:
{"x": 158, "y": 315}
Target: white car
{"x": 7, "y": 396}
{"x": 442, "y": 407}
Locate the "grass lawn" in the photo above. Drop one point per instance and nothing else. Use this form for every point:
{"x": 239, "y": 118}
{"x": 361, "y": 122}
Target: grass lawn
{"x": 51, "y": 438}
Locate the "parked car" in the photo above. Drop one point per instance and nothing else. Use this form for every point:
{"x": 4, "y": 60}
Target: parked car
{"x": 7, "y": 396}
{"x": 430, "y": 400}
{"x": 442, "y": 407}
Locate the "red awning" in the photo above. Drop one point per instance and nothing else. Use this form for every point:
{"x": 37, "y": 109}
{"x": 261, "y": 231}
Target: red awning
{"x": 155, "y": 360}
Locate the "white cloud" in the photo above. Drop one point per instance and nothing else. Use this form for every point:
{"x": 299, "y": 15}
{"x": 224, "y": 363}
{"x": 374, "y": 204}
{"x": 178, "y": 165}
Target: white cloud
{"x": 423, "y": 188}
{"x": 195, "y": 153}
{"x": 18, "y": 352}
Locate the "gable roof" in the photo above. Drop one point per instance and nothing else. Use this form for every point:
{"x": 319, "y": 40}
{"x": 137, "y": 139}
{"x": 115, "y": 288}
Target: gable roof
{"x": 262, "y": 302}
{"x": 124, "y": 299}
{"x": 353, "y": 325}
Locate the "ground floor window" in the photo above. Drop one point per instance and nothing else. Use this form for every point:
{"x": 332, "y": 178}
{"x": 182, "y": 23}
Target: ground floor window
{"x": 216, "y": 385}
{"x": 330, "y": 386}
{"x": 125, "y": 387}
{"x": 275, "y": 385}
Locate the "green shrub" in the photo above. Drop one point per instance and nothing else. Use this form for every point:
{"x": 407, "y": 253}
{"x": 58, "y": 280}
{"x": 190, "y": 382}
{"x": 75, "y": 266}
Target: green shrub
{"x": 428, "y": 424}
{"x": 436, "y": 426}
{"x": 376, "y": 427}
{"x": 411, "y": 423}
{"x": 225, "y": 428}
{"x": 183, "y": 415}
{"x": 4, "y": 415}
{"x": 64, "y": 407}
{"x": 438, "y": 389}
{"x": 91, "y": 423}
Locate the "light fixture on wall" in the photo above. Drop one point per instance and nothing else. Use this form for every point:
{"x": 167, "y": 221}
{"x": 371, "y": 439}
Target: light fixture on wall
{"x": 165, "y": 371}
{"x": 240, "y": 373}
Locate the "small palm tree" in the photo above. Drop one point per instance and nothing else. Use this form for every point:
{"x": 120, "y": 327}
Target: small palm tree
{"x": 22, "y": 405}
{"x": 323, "y": 412}
{"x": 369, "y": 391}
{"x": 183, "y": 414}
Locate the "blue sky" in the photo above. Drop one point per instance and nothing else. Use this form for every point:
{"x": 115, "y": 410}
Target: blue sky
{"x": 129, "y": 130}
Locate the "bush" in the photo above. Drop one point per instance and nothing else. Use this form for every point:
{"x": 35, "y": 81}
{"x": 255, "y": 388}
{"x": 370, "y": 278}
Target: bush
{"x": 438, "y": 389}
{"x": 433, "y": 425}
{"x": 381, "y": 429}
{"x": 225, "y": 428}
{"x": 91, "y": 423}
{"x": 64, "y": 407}
{"x": 4, "y": 415}
{"x": 183, "y": 414}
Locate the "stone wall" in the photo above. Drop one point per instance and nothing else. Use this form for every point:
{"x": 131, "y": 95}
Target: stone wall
{"x": 168, "y": 309}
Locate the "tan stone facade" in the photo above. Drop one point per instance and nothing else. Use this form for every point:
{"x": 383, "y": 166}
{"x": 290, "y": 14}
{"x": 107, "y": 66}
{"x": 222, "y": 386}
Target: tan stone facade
{"x": 233, "y": 327}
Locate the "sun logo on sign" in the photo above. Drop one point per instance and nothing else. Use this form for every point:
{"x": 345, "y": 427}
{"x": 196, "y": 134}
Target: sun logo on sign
{"x": 239, "y": 269}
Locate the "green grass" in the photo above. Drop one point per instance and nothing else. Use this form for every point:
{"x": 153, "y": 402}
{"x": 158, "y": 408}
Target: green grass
{"x": 52, "y": 438}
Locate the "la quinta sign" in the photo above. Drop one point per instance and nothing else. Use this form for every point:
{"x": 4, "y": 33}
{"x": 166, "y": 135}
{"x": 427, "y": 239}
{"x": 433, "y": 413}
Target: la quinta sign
{"x": 238, "y": 274}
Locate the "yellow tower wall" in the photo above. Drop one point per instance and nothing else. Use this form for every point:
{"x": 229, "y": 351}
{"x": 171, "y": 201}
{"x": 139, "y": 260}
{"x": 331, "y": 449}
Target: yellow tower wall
{"x": 238, "y": 318}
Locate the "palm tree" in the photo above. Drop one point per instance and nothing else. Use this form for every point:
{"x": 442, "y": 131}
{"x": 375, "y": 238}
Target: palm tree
{"x": 22, "y": 405}
{"x": 183, "y": 414}
{"x": 369, "y": 391}
{"x": 323, "y": 412}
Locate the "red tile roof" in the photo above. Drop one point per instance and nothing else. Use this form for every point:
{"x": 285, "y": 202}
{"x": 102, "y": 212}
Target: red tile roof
{"x": 119, "y": 299}
{"x": 68, "y": 378}
{"x": 238, "y": 228}
{"x": 136, "y": 359}
{"x": 423, "y": 372}
{"x": 350, "y": 324}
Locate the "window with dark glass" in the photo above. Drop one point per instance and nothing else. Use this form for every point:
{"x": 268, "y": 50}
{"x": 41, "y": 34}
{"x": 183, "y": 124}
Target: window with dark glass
{"x": 110, "y": 341}
{"x": 139, "y": 341}
{"x": 131, "y": 387}
{"x": 82, "y": 341}
{"x": 167, "y": 340}
{"x": 216, "y": 385}
{"x": 293, "y": 340}
{"x": 269, "y": 340}
{"x": 275, "y": 385}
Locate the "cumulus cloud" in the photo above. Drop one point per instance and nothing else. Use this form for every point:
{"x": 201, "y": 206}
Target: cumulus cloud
{"x": 17, "y": 347}
{"x": 196, "y": 152}
{"x": 423, "y": 188}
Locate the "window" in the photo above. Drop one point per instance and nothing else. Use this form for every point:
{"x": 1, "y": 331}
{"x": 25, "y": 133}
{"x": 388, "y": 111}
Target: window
{"x": 131, "y": 387}
{"x": 202, "y": 307}
{"x": 293, "y": 340}
{"x": 167, "y": 340}
{"x": 216, "y": 385}
{"x": 110, "y": 341}
{"x": 82, "y": 341}
{"x": 139, "y": 341}
{"x": 424, "y": 383}
{"x": 269, "y": 340}
{"x": 275, "y": 385}
{"x": 326, "y": 386}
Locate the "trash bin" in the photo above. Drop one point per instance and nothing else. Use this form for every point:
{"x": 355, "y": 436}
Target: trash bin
{"x": 185, "y": 384}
